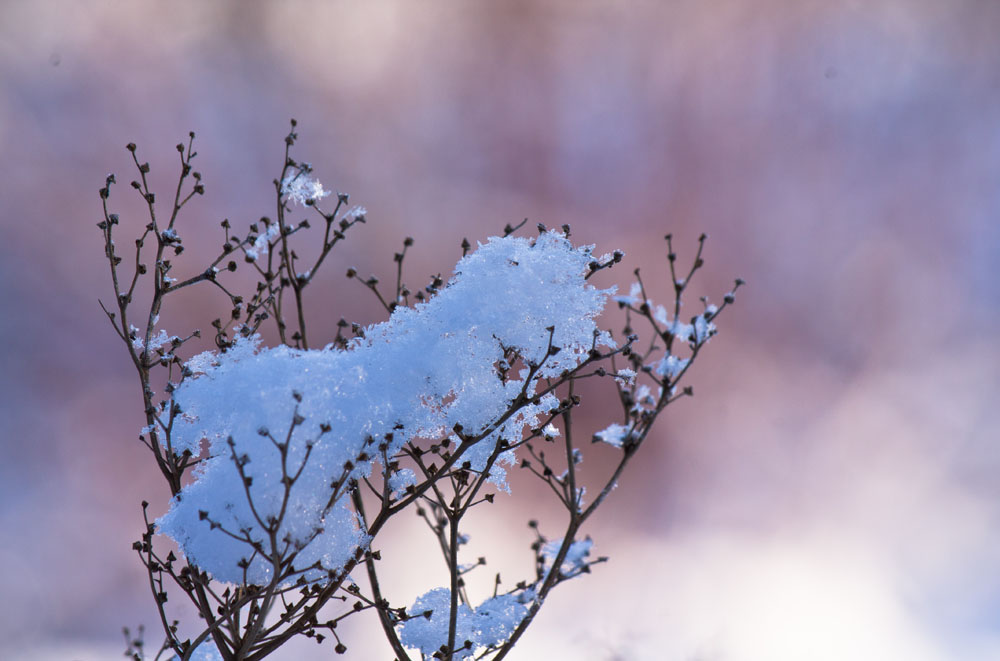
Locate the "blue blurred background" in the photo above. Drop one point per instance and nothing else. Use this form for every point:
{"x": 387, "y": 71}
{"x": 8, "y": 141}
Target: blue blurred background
{"x": 832, "y": 490}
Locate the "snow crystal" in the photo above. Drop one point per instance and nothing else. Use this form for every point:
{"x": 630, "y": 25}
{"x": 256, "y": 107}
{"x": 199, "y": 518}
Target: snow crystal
{"x": 155, "y": 342}
{"x": 614, "y": 435}
{"x": 354, "y": 213}
{"x": 412, "y": 377}
{"x": 302, "y": 188}
{"x": 263, "y": 241}
{"x": 625, "y": 377}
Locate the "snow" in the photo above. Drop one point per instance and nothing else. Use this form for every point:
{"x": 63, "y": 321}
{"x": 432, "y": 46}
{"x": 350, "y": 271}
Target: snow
{"x": 401, "y": 479}
{"x": 412, "y": 377}
{"x": 155, "y": 341}
{"x": 491, "y": 623}
{"x": 671, "y": 366}
{"x": 634, "y": 297}
{"x": 576, "y": 555}
{"x": 428, "y": 632}
{"x": 643, "y": 398}
{"x": 354, "y": 213}
{"x": 614, "y": 435}
{"x": 206, "y": 651}
{"x": 625, "y": 377}
{"x": 262, "y": 243}
{"x": 703, "y": 329}
{"x": 301, "y": 188}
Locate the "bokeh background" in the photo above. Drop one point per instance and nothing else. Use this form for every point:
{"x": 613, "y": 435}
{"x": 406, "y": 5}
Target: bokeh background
{"x": 832, "y": 490}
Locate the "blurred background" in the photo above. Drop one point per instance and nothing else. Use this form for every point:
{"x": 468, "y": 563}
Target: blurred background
{"x": 832, "y": 490}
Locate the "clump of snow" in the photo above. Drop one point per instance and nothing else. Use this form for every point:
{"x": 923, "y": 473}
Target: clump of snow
{"x": 490, "y": 624}
{"x": 576, "y": 555}
{"x": 497, "y": 618}
{"x": 415, "y": 376}
{"x": 206, "y": 651}
{"x": 428, "y": 628}
{"x": 401, "y": 479}
{"x": 671, "y": 366}
{"x": 703, "y": 329}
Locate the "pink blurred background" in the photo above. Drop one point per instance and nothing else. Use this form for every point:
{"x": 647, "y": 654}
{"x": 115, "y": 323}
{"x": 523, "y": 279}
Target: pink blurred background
{"x": 832, "y": 490}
